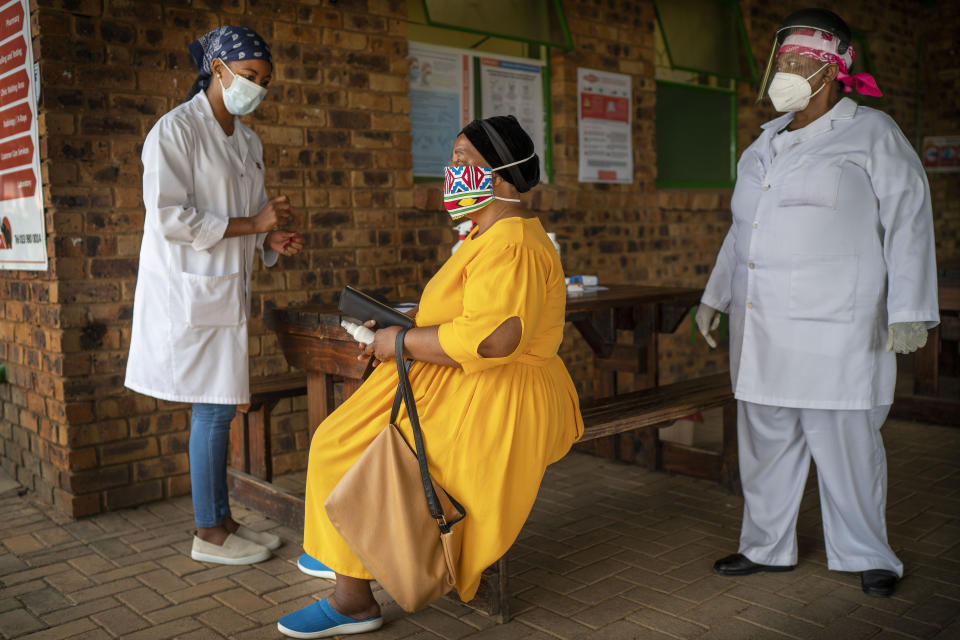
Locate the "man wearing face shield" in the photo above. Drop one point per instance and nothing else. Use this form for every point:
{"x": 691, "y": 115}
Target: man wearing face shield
{"x": 827, "y": 271}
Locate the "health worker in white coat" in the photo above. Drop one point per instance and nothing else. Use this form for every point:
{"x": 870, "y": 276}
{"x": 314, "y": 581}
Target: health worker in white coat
{"x": 828, "y": 269}
{"x": 207, "y": 215}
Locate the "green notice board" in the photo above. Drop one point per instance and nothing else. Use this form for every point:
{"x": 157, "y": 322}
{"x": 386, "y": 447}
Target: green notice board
{"x": 695, "y": 129}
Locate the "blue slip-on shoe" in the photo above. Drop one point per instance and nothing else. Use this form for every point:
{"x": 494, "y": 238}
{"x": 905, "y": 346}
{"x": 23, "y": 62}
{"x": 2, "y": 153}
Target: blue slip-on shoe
{"x": 320, "y": 620}
{"x": 313, "y": 567}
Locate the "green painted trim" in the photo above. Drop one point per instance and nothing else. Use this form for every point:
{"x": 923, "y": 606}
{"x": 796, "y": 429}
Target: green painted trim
{"x": 698, "y": 87}
{"x": 426, "y": 179}
{"x": 568, "y": 44}
{"x": 745, "y": 42}
{"x": 663, "y": 36}
{"x": 562, "y": 17}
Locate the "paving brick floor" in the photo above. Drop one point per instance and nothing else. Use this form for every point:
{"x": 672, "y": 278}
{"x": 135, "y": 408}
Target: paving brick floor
{"x": 611, "y": 551}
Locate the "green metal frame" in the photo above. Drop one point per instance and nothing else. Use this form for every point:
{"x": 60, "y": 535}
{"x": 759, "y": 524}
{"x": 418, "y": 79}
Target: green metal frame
{"x": 694, "y": 184}
{"x": 744, "y": 40}
{"x": 560, "y": 16}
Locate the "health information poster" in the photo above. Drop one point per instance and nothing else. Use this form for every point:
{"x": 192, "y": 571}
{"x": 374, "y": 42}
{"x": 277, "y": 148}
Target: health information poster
{"x": 440, "y": 105}
{"x": 23, "y": 244}
{"x": 603, "y": 125}
{"x": 509, "y": 87}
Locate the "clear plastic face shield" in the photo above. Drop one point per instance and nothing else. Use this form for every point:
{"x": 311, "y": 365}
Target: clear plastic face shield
{"x": 792, "y": 63}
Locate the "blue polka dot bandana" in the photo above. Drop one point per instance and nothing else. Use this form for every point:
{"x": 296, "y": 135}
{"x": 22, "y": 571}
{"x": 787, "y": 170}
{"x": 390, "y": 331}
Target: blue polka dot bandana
{"x": 227, "y": 43}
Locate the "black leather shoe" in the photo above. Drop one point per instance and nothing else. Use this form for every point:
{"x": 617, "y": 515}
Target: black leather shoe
{"x": 739, "y": 565}
{"x": 878, "y": 582}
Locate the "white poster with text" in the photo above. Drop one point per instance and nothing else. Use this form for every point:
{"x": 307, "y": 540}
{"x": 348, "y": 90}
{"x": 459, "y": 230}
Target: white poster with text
{"x": 515, "y": 88}
{"x": 440, "y": 105}
{"x": 603, "y": 125}
{"x": 23, "y": 243}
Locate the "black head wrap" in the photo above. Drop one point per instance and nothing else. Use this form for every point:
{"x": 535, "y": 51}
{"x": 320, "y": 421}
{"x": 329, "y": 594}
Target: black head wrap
{"x": 513, "y": 144}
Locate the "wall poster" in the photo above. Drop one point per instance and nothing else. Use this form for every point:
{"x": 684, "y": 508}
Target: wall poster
{"x": 23, "y": 243}
{"x": 941, "y": 154}
{"x": 441, "y": 103}
{"x": 509, "y": 87}
{"x": 603, "y": 125}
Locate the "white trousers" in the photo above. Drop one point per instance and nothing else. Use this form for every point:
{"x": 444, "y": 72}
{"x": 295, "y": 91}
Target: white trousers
{"x": 775, "y": 446}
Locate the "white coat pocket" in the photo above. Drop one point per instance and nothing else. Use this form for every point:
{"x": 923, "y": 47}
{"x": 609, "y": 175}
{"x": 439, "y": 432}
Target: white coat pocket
{"x": 823, "y": 287}
{"x": 814, "y": 184}
{"x": 212, "y": 301}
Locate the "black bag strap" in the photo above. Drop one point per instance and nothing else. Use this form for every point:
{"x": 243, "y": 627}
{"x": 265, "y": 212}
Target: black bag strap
{"x": 505, "y": 156}
{"x": 405, "y": 393}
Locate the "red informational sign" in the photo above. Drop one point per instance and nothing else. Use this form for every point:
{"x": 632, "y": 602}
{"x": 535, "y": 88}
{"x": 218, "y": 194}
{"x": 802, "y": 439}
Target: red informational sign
{"x": 18, "y": 184}
{"x": 16, "y": 119}
{"x": 13, "y": 55}
{"x": 21, "y": 198}
{"x": 14, "y": 87}
{"x": 600, "y": 107}
{"x": 603, "y": 123}
{"x": 11, "y": 21}
{"x": 16, "y": 153}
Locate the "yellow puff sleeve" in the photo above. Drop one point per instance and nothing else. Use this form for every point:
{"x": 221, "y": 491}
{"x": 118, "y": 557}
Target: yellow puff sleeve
{"x": 503, "y": 281}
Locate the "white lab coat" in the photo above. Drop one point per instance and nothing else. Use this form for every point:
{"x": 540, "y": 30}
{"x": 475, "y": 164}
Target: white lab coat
{"x": 831, "y": 241}
{"x": 192, "y": 301}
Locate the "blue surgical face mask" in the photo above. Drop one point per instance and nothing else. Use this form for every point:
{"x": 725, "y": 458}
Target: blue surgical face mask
{"x": 242, "y": 96}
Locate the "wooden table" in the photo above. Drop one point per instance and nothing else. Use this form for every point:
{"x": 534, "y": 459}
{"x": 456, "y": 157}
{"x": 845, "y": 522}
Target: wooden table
{"x": 643, "y": 310}
{"x": 933, "y": 399}
{"x": 311, "y": 338}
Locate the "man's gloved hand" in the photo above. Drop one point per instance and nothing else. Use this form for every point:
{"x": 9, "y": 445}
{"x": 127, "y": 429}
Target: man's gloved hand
{"x": 907, "y": 337}
{"x": 708, "y": 319}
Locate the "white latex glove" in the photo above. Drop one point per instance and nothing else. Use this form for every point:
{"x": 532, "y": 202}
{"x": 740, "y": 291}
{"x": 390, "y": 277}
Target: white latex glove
{"x": 907, "y": 337}
{"x": 708, "y": 319}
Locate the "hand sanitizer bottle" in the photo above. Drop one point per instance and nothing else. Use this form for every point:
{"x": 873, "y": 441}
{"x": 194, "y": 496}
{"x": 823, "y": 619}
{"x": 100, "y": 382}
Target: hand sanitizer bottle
{"x": 359, "y": 332}
{"x": 463, "y": 229}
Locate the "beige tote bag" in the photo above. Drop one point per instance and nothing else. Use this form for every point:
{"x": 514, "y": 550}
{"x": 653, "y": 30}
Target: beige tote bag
{"x": 394, "y": 517}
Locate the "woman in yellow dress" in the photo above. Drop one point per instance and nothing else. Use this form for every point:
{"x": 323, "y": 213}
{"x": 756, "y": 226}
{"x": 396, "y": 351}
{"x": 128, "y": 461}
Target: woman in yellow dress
{"x": 496, "y": 403}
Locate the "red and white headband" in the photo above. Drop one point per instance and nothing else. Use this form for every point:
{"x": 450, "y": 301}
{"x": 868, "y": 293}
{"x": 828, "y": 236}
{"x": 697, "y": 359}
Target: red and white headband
{"x": 822, "y": 46}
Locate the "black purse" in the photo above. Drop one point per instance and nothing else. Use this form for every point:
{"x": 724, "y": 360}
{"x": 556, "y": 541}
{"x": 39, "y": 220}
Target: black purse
{"x": 362, "y": 306}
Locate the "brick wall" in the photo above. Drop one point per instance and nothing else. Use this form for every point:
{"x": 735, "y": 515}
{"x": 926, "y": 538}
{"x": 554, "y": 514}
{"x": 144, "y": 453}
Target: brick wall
{"x": 336, "y": 135}
{"x": 336, "y": 140}
{"x": 940, "y": 116}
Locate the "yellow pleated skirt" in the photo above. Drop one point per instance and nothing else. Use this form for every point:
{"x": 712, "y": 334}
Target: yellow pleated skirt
{"x": 489, "y": 437}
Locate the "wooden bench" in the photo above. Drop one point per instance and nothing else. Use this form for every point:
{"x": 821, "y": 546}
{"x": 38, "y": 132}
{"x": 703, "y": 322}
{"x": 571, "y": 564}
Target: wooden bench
{"x": 250, "y": 450}
{"x": 645, "y": 412}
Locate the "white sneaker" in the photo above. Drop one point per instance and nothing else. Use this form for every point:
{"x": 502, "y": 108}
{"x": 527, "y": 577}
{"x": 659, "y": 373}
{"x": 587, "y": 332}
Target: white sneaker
{"x": 234, "y": 550}
{"x": 269, "y": 540}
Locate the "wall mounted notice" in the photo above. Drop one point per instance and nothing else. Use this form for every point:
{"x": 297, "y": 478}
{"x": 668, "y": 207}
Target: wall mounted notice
{"x": 603, "y": 124}
{"x": 515, "y": 88}
{"x": 23, "y": 242}
{"x": 440, "y": 105}
{"x": 941, "y": 154}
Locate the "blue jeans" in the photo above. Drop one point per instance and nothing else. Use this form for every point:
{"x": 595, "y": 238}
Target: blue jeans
{"x": 209, "y": 435}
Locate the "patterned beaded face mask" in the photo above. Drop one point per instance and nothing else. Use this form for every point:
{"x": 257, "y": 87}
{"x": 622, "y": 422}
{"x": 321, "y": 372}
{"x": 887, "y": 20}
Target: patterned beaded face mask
{"x": 467, "y": 189}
